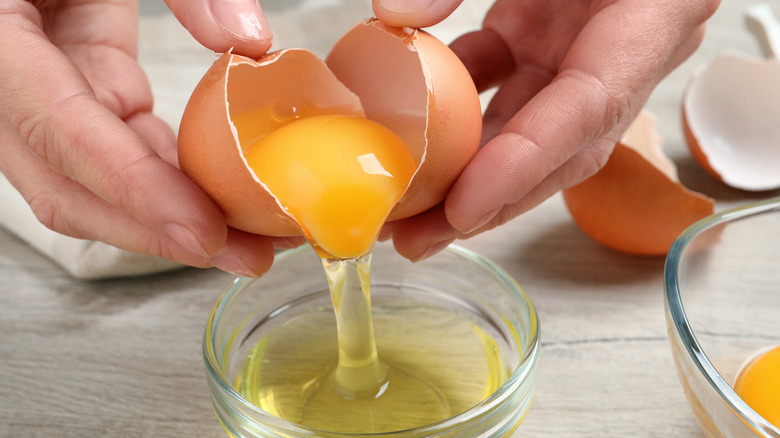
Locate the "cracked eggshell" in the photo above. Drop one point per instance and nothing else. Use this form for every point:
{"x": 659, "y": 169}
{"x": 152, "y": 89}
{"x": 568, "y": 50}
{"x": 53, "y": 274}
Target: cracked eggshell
{"x": 237, "y": 100}
{"x": 731, "y": 120}
{"x": 415, "y": 85}
{"x": 404, "y": 78}
{"x": 635, "y": 203}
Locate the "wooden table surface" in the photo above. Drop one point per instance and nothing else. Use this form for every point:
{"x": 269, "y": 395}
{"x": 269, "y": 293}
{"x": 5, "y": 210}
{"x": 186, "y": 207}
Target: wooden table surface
{"x": 123, "y": 357}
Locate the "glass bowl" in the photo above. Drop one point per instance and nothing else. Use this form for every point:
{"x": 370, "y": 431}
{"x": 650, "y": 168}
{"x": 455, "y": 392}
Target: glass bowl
{"x": 722, "y": 280}
{"x": 455, "y": 281}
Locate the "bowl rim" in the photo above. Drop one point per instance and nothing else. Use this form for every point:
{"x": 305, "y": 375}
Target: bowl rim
{"x": 526, "y": 368}
{"x": 679, "y": 318}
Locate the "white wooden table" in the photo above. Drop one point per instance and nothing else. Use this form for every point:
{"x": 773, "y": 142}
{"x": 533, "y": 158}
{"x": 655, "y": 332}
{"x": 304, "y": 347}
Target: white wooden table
{"x": 122, "y": 358}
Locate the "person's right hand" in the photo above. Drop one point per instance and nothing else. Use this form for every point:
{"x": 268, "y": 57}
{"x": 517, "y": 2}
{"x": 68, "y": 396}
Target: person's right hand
{"x": 571, "y": 75}
{"x": 80, "y": 143}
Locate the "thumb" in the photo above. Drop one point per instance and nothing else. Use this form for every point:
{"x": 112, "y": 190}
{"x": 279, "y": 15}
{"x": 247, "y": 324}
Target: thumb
{"x": 414, "y": 13}
{"x": 224, "y": 24}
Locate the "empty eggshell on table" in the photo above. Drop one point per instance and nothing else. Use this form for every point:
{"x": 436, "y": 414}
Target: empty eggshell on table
{"x": 635, "y": 203}
{"x": 731, "y": 120}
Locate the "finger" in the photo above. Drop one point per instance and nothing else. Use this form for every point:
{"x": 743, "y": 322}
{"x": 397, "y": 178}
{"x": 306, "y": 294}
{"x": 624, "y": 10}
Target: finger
{"x": 511, "y": 96}
{"x": 414, "y": 13}
{"x": 589, "y": 160}
{"x": 288, "y": 242}
{"x": 61, "y": 203}
{"x": 224, "y": 24}
{"x": 420, "y": 236}
{"x": 687, "y": 48}
{"x": 582, "y": 165}
{"x": 249, "y": 255}
{"x": 69, "y": 208}
{"x": 53, "y": 196}
{"x": 106, "y": 57}
{"x": 157, "y": 134}
{"x": 101, "y": 40}
{"x": 386, "y": 233}
{"x": 103, "y": 154}
{"x": 424, "y": 235}
{"x": 597, "y": 92}
{"x": 506, "y": 104}
{"x": 486, "y": 57}
{"x": 546, "y": 132}
{"x": 50, "y": 107}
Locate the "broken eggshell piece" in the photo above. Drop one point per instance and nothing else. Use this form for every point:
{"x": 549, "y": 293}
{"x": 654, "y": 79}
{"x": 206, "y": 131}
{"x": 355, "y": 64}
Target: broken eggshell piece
{"x": 731, "y": 120}
{"x": 403, "y": 78}
{"x": 415, "y": 85}
{"x": 635, "y": 204}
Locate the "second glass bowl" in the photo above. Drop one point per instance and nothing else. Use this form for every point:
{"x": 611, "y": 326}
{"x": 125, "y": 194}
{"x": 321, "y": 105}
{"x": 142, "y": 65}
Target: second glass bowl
{"x": 722, "y": 279}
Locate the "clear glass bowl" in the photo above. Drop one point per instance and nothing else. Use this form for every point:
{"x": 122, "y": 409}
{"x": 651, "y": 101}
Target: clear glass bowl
{"x": 456, "y": 280}
{"x": 722, "y": 280}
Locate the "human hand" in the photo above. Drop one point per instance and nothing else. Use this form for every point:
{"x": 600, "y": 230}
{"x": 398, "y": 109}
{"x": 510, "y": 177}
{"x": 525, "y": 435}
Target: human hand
{"x": 571, "y": 76}
{"x": 80, "y": 143}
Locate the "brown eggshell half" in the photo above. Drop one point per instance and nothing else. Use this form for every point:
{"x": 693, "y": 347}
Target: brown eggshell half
{"x": 635, "y": 204}
{"x": 731, "y": 120}
{"x": 415, "y": 85}
{"x": 288, "y": 82}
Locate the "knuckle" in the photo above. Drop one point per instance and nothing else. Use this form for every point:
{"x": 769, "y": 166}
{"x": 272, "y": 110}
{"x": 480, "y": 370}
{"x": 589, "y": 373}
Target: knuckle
{"x": 152, "y": 244}
{"x": 47, "y": 209}
{"x": 31, "y": 128}
{"x": 44, "y": 136}
{"x": 613, "y": 96}
{"x": 122, "y": 183}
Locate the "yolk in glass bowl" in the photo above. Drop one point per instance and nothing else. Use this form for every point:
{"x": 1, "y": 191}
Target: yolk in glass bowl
{"x": 758, "y": 384}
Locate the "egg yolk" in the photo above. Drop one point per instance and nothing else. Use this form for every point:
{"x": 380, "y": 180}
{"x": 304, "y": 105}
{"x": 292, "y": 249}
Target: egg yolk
{"x": 338, "y": 176}
{"x": 758, "y": 384}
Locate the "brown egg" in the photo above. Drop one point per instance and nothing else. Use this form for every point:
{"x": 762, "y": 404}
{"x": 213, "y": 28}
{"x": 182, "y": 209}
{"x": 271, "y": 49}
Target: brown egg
{"x": 731, "y": 110}
{"x": 635, "y": 203}
{"x": 405, "y": 79}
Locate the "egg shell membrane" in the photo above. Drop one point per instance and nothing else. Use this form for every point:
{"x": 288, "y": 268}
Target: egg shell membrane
{"x": 209, "y": 148}
{"x": 412, "y": 83}
{"x": 634, "y": 204}
{"x": 731, "y": 111}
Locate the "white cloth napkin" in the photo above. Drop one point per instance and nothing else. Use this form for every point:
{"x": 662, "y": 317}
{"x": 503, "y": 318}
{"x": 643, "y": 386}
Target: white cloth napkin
{"x": 83, "y": 259}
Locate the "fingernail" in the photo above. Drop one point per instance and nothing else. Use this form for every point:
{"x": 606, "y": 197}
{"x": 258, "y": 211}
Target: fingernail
{"x": 242, "y": 18}
{"x": 405, "y": 6}
{"x": 435, "y": 248}
{"x": 184, "y": 237}
{"x": 485, "y": 219}
{"x": 233, "y": 265}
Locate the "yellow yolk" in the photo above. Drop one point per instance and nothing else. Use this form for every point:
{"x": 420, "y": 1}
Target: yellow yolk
{"x": 758, "y": 384}
{"x": 254, "y": 124}
{"x": 338, "y": 176}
